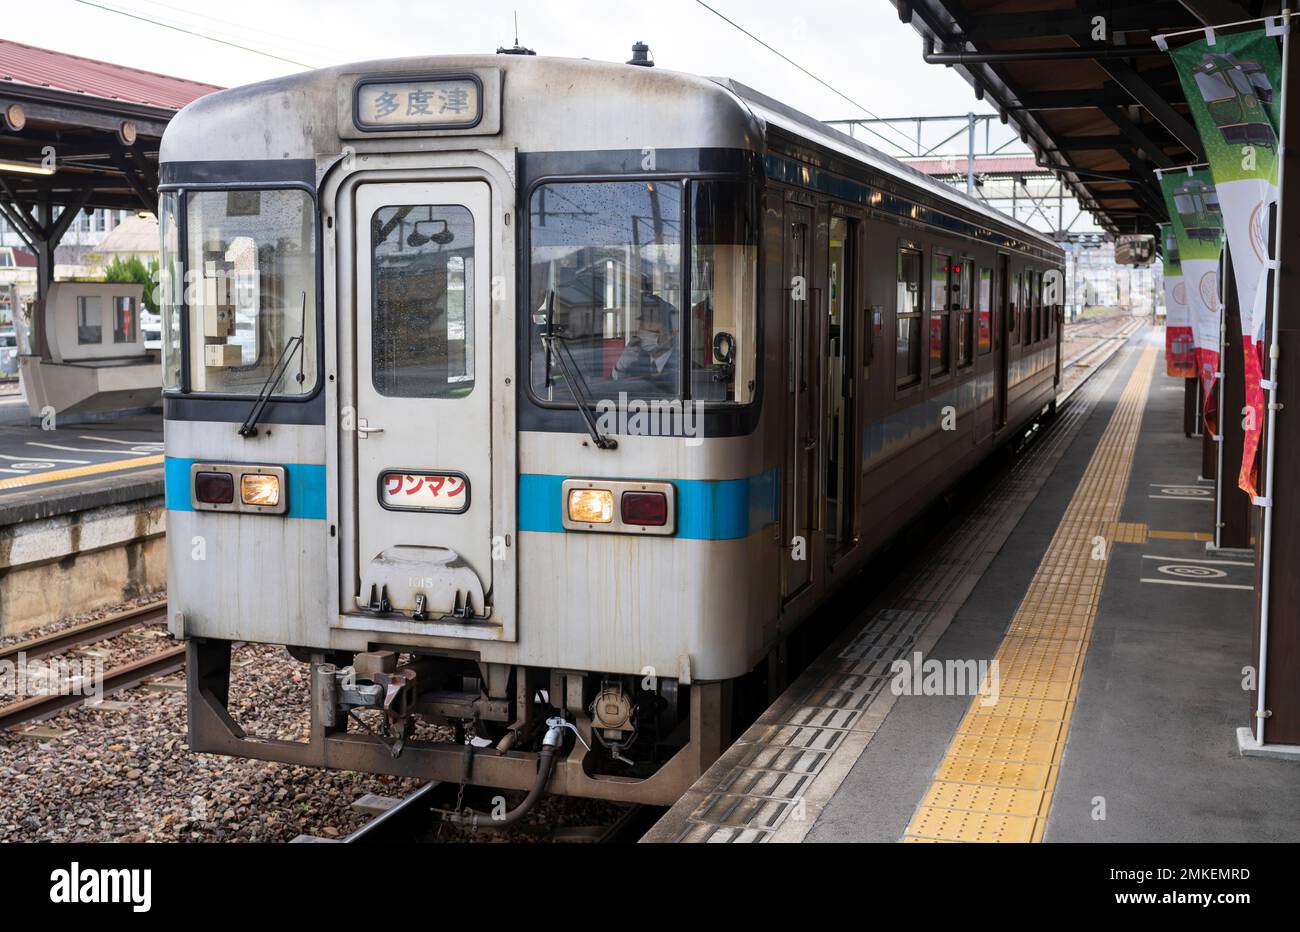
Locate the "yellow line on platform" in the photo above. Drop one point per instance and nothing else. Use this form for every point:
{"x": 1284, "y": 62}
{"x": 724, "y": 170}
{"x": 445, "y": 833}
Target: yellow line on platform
{"x": 1181, "y": 535}
{"x": 998, "y": 775}
{"x": 77, "y": 472}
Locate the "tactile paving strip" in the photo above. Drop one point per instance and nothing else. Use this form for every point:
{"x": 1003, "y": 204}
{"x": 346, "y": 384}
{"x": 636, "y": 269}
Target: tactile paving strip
{"x": 770, "y": 783}
{"x": 996, "y": 780}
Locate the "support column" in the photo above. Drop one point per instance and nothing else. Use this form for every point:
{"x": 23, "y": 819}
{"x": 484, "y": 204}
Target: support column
{"x": 1209, "y": 449}
{"x": 1282, "y": 669}
{"x": 1191, "y": 409}
{"x": 44, "y": 278}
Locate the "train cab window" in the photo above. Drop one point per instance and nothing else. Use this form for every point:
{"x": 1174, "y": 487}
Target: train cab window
{"x": 984, "y": 310}
{"x": 170, "y": 278}
{"x": 940, "y": 313}
{"x": 724, "y": 269}
{"x": 422, "y": 315}
{"x": 607, "y": 257}
{"x": 907, "y": 323}
{"x": 251, "y": 291}
{"x": 965, "y": 308}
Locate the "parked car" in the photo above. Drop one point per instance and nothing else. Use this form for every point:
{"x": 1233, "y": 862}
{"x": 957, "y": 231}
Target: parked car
{"x": 151, "y": 326}
{"x": 8, "y": 352}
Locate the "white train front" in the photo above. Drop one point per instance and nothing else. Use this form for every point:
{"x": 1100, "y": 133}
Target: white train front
{"x": 544, "y": 398}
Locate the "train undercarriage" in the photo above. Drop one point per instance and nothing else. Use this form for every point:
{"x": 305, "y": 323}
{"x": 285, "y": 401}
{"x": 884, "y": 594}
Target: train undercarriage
{"x": 611, "y": 737}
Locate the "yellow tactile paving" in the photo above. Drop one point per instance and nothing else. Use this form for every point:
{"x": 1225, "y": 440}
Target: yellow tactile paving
{"x": 996, "y": 780}
{"x": 77, "y": 472}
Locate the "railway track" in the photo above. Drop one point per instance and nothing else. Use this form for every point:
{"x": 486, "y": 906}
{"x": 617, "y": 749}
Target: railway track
{"x": 38, "y": 708}
{"x": 412, "y": 818}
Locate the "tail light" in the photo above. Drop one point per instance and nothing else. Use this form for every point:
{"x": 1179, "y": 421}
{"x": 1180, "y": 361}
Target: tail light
{"x": 214, "y": 488}
{"x": 645, "y": 508}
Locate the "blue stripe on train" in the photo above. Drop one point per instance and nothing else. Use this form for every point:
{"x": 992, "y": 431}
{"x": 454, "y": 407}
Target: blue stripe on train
{"x": 721, "y": 509}
{"x": 706, "y": 509}
{"x": 306, "y": 491}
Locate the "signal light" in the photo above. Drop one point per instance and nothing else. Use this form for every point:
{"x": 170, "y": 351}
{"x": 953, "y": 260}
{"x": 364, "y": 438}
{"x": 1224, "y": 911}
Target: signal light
{"x": 214, "y": 488}
{"x": 649, "y": 509}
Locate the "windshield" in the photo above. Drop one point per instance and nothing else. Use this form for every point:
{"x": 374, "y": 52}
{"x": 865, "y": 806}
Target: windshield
{"x": 250, "y": 287}
{"x": 1213, "y": 86}
{"x": 611, "y": 254}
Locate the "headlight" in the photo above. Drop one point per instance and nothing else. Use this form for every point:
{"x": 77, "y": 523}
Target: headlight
{"x": 591, "y": 506}
{"x": 258, "y": 489}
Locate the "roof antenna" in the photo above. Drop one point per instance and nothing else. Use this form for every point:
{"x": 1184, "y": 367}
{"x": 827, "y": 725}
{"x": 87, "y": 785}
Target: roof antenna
{"x": 641, "y": 55}
{"x": 515, "y": 49}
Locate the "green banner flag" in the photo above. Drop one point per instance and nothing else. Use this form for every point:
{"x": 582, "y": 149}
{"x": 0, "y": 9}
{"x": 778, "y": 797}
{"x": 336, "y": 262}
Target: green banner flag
{"x": 1180, "y": 360}
{"x": 1233, "y": 89}
{"x": 1197, "y": 224}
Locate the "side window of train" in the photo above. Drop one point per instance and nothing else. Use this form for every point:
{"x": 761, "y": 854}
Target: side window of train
{"x": 1043, "y": 310}
{"x": 907, "y": 318}
{"x": 965, "y": 308}
{"x": 422, "y": 317}
{"x": 1037, "y": 296}
{"x": 940, "y": 313}
{"x": 984, "y": 308}
{"x": 1013, "y": 302}
{"x": 724, "y": 288}
{"x": 1026, "y": 309}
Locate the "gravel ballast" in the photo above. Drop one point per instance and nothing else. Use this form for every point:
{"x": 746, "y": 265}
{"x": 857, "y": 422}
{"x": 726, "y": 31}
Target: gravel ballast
{"x": 123, "y": 771}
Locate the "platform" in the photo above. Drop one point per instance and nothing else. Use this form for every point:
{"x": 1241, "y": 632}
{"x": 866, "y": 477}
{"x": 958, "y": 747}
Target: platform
{"x": 1120, "y": 644}
{"x": 31, "y": 456}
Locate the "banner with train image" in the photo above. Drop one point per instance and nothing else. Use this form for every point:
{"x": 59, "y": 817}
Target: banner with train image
{"x": 1198, "y": 231}
{"x": 1180, "y": 361}
{"x": 1233, "y": 84}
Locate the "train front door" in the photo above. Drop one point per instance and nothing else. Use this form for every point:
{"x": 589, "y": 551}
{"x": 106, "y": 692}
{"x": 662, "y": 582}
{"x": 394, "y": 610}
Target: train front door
{"x": 799, "y": 483}
{"x": 423, "y": 478}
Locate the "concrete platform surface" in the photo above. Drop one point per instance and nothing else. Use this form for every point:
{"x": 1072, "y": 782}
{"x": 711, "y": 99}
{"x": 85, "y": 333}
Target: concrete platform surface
{"x": 31, "y": 456}
{"x": 1119, "y": 643}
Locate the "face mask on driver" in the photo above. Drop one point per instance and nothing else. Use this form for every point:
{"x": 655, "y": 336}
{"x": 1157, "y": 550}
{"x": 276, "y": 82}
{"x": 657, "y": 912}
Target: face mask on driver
{"x": 652, "y": 340}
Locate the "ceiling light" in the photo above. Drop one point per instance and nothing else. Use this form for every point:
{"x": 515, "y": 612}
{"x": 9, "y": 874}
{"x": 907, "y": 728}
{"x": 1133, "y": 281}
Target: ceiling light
{"x": 26, "y": 168}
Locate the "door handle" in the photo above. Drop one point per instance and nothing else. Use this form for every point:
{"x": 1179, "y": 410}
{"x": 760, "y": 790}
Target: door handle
{"x": 364, "y": 430}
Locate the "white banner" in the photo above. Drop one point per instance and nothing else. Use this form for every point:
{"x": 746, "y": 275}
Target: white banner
{"x": 1245, "y": 206}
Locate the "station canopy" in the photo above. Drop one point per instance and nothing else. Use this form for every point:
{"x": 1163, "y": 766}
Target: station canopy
{"x": 1102, "y": 106}
{"x": 76, "y": 133}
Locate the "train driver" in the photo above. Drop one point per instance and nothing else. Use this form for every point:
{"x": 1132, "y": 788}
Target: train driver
{"x": 651, "y": 354}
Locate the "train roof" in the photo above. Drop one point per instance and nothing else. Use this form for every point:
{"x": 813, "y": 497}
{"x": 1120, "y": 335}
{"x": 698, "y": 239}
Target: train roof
{"x": 773, "y": 112}
{"x": 299, "y": 117}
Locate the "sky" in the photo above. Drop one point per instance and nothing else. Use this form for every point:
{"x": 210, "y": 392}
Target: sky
{"x": 858, "y": 47}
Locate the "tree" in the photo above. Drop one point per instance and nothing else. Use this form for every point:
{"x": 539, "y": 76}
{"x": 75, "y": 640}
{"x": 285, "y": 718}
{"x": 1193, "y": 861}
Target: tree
{"x": 134, "y": 271}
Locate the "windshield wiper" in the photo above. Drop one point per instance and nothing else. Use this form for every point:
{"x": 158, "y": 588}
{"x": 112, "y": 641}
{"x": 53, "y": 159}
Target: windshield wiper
{"x": 573, "y": 378}
{"x": 249, "y": 427}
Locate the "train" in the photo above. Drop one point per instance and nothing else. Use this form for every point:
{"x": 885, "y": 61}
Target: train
{"x": 1197, "y": 204}
{"x": 533, "y": 403}
{"x": 1236, "y": 94}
